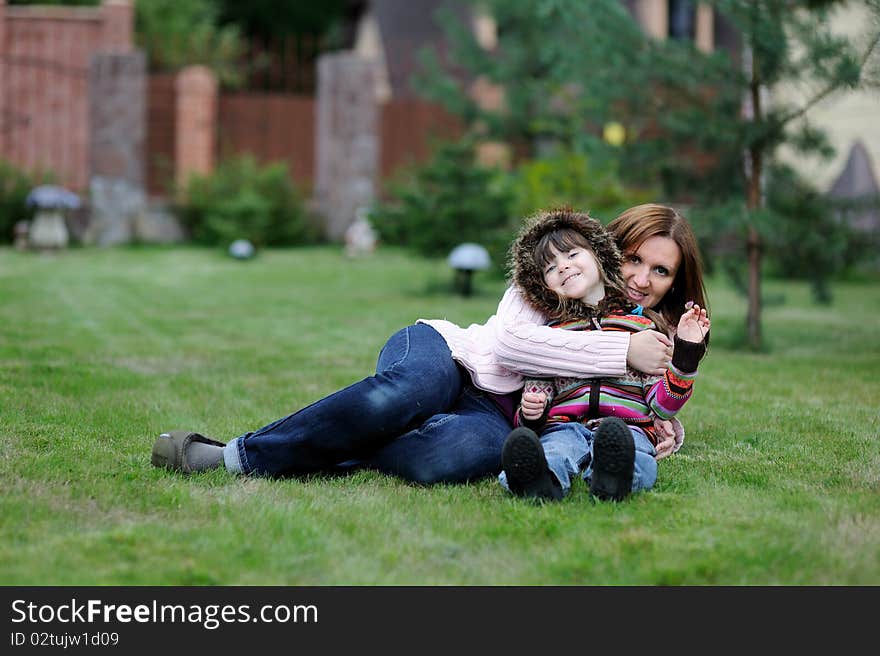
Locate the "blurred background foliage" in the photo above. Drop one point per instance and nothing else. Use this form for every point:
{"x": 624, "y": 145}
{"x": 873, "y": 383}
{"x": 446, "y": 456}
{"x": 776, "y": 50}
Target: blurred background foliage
{"x": 241, "y": 199}
{"x": 449, "y": 200}
{"x": 15, "y": 184}
{"x": 178, "y": 33}
{"x": 568, "y": 70}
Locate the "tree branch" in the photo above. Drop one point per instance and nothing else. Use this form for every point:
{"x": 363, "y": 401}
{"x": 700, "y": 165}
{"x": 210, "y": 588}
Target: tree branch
{"x": 832, "y": 86}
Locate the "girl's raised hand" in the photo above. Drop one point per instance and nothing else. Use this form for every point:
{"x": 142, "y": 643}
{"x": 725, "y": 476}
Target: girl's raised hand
{"x": 693, "y": 325}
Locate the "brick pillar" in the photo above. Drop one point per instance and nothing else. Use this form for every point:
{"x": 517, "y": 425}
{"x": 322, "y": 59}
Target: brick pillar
{"x": 118, "y": 25}
{"x": 117, "y": 131}
{"x": 347, "y": 139}
{"x": 195, "y": 122}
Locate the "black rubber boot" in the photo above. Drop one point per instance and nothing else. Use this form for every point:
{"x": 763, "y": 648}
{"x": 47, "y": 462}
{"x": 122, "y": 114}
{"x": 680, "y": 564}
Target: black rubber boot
{"x": 525, "y": 464}
{"x": 614, "y": 454}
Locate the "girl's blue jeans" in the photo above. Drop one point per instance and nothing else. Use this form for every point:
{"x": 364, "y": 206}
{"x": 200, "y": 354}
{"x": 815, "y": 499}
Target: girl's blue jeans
{"x": 419, "y": 417}
{"x": 569, "y": 452}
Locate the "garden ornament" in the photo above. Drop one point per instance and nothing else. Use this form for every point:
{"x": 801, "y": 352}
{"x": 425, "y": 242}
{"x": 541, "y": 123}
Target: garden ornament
{"x": 48, "y": 230}
{"x": 360, "y": 237}
{"x": 21, "y": 231}
{"x": 465, "y": 259}
{"x": 241, "y": 249}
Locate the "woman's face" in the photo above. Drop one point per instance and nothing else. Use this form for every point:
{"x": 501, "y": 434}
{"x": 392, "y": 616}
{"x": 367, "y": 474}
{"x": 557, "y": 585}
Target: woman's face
{"x": 649, "y": 271}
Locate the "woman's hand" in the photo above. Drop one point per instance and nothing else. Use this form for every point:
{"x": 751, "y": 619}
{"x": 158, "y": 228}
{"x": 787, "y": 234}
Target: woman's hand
{"x": 693, "y": 325}
{"x": 649, "y": 352}
{"x": 532, "y": 405}
{"x": 665, "y": 438}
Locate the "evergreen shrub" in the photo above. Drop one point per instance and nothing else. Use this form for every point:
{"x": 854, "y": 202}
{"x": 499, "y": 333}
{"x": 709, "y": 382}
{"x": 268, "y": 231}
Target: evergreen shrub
{"x": 243, "y": 200}
{"x": 570, "y": 179}
{"x": 447, "y": 201}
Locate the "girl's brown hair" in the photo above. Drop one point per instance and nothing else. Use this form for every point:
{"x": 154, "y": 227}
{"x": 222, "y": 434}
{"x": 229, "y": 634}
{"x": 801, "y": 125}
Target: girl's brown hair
{"x": 642, "y": 222}
{"x": 562, "y": 228}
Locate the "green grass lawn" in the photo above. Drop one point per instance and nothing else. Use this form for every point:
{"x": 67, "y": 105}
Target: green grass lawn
{"x": 100, "y": 350}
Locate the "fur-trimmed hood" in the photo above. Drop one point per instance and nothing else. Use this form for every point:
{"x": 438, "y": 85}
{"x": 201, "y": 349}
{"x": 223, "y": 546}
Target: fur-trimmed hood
{"x": 528, "y": 276}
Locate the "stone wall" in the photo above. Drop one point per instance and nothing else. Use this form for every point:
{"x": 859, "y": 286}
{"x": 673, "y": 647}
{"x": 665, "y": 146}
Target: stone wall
{"x": 347, "y": 140}
{"x": 117, "y": 126}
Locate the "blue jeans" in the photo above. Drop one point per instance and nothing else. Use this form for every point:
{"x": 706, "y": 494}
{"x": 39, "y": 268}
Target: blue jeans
{"x": 419, "y": 417}
{"x": 569, "y": 451}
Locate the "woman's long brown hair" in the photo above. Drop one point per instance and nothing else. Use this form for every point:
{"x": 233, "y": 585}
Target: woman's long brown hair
{"x": 642, "y": 222}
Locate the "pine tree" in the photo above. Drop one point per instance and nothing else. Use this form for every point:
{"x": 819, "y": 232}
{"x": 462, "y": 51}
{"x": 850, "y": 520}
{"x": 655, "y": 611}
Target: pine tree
{"x": 552, "y": 63}
{"x": 786, "y": 42}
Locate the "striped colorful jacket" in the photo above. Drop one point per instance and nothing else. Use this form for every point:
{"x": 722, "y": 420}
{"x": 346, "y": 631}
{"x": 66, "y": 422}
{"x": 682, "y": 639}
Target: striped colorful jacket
{"x": 635, "y": 397}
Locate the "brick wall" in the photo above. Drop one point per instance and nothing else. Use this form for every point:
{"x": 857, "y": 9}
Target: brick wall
{"x": 281, "y": 127}
{"x": 273, "y": 127}
{"x": 45, "y": 53}
{"x": 408, "y": 129}
{"x": 161, "y": 133}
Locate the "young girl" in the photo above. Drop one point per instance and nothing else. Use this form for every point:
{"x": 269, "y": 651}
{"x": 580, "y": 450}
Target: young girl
{"x": 568, "y": 266}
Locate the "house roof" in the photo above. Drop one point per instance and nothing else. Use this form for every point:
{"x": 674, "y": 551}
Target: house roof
{"x": 406, "y": 28}
{"x": 857, "y": 182}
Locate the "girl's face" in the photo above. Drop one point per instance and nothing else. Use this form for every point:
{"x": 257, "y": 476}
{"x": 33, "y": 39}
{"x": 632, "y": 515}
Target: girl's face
{"x": 574, "y": 273}
{"x": 649, "y": 271}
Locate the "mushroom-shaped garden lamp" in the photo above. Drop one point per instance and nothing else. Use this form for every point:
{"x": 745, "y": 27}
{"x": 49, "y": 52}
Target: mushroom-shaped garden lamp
{"x": 49, "y": 230}
{"x": 241, "y": 249}
{"x": 465, "y": 259}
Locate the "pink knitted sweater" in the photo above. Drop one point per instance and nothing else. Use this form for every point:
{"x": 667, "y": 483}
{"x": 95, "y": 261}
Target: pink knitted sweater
{"x": 515, "y": 342}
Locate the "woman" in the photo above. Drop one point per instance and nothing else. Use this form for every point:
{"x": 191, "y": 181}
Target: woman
{"x": 662, "y": 270}
{"x": 440, "y": 405}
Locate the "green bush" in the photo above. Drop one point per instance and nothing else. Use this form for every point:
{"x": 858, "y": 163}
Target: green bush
{"x": 448, "y": 201}
{"x": 862, "y": 251}
{"x": 803, "y": 236}
{"x": 242, "y": 200}
{"x": 15, "y": 184}
{"x": 570, "y": 179}
{"x": 804, "y": 239}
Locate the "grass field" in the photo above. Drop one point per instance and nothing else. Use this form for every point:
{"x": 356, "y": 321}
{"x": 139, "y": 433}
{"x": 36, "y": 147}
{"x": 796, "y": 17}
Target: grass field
{"x": 101, "y": 350}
